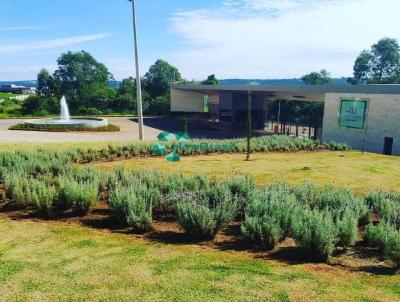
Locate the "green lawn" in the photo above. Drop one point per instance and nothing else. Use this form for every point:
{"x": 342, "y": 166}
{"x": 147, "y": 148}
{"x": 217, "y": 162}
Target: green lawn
{"x": 6, "y": 96}
{"x": 343, "y": 169}
{"x": 68, "y": 261}
{"x": 56, "y": 262}
{"x": 8, "y": 107}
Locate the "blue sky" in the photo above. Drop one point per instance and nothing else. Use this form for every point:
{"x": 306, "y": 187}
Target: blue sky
{"x": 232, "y": 38}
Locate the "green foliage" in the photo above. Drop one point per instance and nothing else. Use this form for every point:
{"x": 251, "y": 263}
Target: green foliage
{"x": 317, "y": 78}
{"x": 337, "y": 146}
{"x": 296, "y": 112}
{"x": 40, "y": 105}
{"x": 263, "y": 231}
{"x": 338, "y": 201}
{"x": 392, "y": 247}
{"x": 249, "y": 126}
{"x": 347, "y": 228}
{"x": 79, "y": 195}
{"x": 42, "y": 195}
{"x": 203, "y": 214}
{"x": 375, "y": 235}
{"x": 314, "y": 231}
{"x": 60, "y": 128}
{"x": 196, "y": 218}
{"x": 387, "y": 205}
{"x": 83, "y": 80}
{"x": 46, "y": 84}
{"x": 211, "y": 80}
{"x": 386, "y": 238}
{"x": 133, "y": 205}
{"x": 158, "y": 79}
{"x": 380, "y": 65}
{"x": 269, "y": 214}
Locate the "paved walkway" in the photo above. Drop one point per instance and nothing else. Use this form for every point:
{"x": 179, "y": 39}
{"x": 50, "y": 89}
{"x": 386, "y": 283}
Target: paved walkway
{"x": 129, "y": 131}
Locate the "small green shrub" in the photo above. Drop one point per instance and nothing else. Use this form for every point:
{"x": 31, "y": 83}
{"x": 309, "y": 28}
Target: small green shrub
{"x": 79, "y": 195}
{"x": 391, "y": 248}
{"x": 43, "y": 196}
{"x": 269, "y": 214}
{"x": 133, "y": 205}
{"x": 197, "y": 219}
{"x": 347, "y": 228}
{"x": 202, "y": 215}
{"x": 386, "y": 238}
{"x": 387, "y": 205}
{"x": 375, "y": 235}
{"x": 337, "y": 146}
{"x": 314, "y": 231}
{"x": 264, "y": 231}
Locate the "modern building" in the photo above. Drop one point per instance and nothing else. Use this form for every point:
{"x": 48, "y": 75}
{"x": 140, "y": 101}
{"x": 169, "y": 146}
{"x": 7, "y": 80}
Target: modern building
{"x": 366, "y": 117}
{"x": 11, "y": 88}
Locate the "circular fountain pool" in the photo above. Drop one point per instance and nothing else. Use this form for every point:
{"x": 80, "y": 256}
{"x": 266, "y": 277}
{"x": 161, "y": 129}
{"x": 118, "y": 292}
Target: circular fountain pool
{"x": 70, "y": 123}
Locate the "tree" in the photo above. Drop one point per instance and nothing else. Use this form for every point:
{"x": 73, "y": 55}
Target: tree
{"x": 157, "y": 81}
{"x": 380, "y": 64}
{"x": 126, "y": 97}
{"x": 211, "y": 80}
{"x": 46, "y": 84}
{"x": 317, "y": 78}
{"x": 249, "y": 125}
{"x": 83, "y": 80}
{"x": 127, "y": 87}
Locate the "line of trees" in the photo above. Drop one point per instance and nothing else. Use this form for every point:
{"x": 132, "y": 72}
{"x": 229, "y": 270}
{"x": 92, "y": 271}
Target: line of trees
{"x": 85, "y": 83}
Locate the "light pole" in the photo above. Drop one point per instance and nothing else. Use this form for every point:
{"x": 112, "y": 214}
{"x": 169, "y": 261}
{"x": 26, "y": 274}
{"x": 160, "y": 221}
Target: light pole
{"x": 138, "y": 81}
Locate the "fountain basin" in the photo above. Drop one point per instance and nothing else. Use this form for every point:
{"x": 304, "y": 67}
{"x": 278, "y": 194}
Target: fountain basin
{"x": 84, "y": 122}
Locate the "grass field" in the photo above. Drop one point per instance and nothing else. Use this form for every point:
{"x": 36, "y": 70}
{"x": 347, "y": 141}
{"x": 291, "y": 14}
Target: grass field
{"x": 343, "y": 169}
{"x": 9, "y": 107}
{"x": 67, "y": 261}
{"x": 56, "y": 262}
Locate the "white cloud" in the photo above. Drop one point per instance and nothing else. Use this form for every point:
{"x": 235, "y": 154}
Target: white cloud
{"x": 46, "y": 44}
{"x": 271, "y": 38}
{"x": 20, "y": 28}
{"x": 22, "y": 72}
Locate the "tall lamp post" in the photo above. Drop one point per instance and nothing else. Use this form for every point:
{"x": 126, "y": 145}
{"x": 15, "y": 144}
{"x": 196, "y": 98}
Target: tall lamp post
{"x": 138, "y": 81}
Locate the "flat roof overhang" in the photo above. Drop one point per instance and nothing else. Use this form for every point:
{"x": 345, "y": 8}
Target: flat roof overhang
{"x": 295, "y": 89}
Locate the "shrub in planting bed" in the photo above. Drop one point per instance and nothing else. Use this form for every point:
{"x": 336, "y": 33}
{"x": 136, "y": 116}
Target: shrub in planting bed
{"x": 386, "y": 238}
{"x": 79, "y": 195}
{"x": 133, "y": 205}
{"x": 268, "y": 216}
{"x": 385, "y": 204}
{"x": 314, "y": 231}
{"x": 203, "y": 214}
{"x": 347, "y": 228}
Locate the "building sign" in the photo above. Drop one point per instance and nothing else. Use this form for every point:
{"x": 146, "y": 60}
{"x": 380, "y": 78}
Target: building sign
{"x": 205, "y": 103}
{"x": 353, "y": 113}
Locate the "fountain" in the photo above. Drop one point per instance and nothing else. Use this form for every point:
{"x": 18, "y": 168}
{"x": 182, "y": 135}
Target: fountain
{"x": 64, "y": 110}
{"x": 66, "y": 121}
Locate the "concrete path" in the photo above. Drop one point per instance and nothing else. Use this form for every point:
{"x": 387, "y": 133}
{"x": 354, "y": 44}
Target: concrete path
{"x": 129, "y": 131}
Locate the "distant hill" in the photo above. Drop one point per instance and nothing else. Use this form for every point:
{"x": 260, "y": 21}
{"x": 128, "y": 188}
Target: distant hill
{"x": 20, "y": 83}
{"x": 295, "y": 81}
{"x": 33, "y": 83}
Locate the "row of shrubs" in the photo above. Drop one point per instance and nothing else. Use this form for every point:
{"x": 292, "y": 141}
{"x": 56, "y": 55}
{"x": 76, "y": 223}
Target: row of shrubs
{"x": 46, "y": 160}
{"x": 61, "y": 128}
{"x": 318, "y": 219}
{"x": 192, "y": 147}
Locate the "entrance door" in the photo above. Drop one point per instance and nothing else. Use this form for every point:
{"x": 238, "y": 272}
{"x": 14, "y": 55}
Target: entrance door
{"x": 388, "y": 146}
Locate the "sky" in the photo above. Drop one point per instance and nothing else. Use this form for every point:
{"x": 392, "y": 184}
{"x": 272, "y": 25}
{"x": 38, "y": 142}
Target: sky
{"x": 257, "y": 39}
